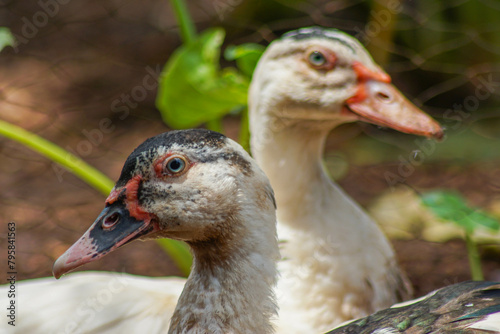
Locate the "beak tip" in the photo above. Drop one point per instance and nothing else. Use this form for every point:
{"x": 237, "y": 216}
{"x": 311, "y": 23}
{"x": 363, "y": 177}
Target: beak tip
{"x": 64, "y": 264}
{"x": 58, "y": 269}
{"x": 438, "y": 134}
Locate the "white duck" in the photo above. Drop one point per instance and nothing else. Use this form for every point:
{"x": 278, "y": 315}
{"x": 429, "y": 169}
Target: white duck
{"x": 200, "y": 187}
{"x": 338, "y": 264}
{"x": 320, "y": 272}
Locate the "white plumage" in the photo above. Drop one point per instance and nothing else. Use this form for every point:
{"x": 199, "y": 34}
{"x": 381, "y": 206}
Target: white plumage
{"x": 96, "y": 302}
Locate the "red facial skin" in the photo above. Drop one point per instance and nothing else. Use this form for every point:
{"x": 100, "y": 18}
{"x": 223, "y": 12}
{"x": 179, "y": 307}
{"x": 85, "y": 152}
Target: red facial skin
{"x": 364, "y": 75}
{"x": 131, "y": 190}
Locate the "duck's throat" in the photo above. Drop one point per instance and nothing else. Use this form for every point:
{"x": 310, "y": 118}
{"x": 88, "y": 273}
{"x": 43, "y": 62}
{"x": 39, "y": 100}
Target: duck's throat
{"x": 307, "y": 199}
{"x": 233, "y": 294}
{"x": 292, "y": 159}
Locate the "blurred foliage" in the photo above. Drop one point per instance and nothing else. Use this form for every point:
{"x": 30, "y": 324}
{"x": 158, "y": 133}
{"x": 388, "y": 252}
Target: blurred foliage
{"x": 6, "y": 38}
{"x": 384, "y": 14}
{"x": 193, "y": 90}
{"x": 246, "y": 56}
{"x": 381, "y": 146}
{"x": 186, "y": 24}
{"x": 451, "y": 206}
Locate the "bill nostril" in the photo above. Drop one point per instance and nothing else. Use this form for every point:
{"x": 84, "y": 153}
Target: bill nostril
{"x": 384, "y": 97}
{"x": 110, "y": 221}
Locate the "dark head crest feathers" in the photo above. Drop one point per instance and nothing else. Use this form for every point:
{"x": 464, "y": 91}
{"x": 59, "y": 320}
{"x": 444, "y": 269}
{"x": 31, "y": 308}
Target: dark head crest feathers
{"x": 193, "y": 138}
{"x": 317, "y": 32}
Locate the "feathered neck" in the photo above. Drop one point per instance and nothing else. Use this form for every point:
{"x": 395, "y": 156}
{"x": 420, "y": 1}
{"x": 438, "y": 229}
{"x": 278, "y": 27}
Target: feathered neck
{"x": 230, "y": 288}
{"x": 291, "y": 156}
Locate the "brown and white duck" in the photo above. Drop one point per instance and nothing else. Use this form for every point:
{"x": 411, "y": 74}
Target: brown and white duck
{"x": 200, "y": 187}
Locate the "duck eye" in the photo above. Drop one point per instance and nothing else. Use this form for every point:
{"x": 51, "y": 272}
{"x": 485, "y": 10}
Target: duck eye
{"x": 316, "y": 58}
{"x": 176, "y": 165}
{"x": 171, "y": 165}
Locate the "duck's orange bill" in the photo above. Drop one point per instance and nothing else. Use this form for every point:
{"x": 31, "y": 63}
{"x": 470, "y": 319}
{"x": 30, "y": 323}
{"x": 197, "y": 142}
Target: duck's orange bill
{"x": 377, "y": 101}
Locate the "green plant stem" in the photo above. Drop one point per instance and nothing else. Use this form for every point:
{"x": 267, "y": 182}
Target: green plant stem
{"x": 244, "y": 137}
{"x": 215, "y": 125}
{"x": 178, "y": 251}
{"x": 57, "y": 154}
{"x": 188, "y": 30}
{"x": 474, "y": 259}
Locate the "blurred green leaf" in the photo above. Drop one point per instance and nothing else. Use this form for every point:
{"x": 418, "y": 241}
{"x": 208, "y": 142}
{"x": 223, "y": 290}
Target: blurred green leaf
{"x": 484, "y": 219}
{"x": 6, "y": 38}
{"x": 246, "y": 56}
{"x": 453, "y": 207}
{"x": 193, "y": 90}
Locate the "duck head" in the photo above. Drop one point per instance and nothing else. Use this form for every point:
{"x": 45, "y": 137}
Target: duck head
{"x": 186, "y": 185}
{"x": 315, "y": 74}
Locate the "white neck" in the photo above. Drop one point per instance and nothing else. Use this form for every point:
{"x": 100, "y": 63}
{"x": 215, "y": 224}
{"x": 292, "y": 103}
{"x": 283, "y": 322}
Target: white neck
{"x": 291, "y": 156}
{"x": 230, "y": 288}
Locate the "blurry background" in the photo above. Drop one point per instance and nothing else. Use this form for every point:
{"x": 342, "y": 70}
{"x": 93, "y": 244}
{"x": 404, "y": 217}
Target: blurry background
{"x": 76, "y": 63}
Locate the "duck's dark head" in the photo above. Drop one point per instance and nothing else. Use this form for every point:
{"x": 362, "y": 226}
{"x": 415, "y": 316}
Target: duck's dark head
{"x": 186, "y": 185}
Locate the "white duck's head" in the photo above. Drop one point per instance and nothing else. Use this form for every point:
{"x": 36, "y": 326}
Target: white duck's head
{"x": 194, "y": 185}
{"x": 315, "y": 74}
